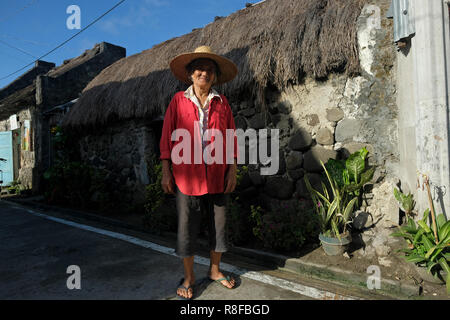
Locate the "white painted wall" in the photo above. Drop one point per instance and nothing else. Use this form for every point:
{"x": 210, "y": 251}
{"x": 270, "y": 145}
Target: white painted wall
{"x": 423, "y": 89}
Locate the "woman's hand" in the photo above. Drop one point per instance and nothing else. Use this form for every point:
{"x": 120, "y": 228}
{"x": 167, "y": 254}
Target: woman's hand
{"x": 231, "y": 179}
{"x": 167, "y": 181}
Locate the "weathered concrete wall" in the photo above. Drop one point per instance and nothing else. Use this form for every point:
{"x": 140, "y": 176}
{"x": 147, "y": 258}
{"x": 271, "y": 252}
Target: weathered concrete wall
{"x": 124, "y": 151}
{"x": 423, "y": 74}
{"x": 40, "y": 67}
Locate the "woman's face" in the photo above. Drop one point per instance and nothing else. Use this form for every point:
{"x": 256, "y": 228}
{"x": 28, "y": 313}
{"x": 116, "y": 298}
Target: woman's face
{"x": 204, "y": 73}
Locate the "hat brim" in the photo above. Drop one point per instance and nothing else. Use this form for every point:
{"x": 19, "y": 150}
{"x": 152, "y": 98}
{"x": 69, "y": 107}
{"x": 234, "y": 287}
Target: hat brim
{"x": 228, "y": 70}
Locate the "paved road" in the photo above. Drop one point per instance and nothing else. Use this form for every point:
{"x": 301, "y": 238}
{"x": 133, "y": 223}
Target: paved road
{"x": 36, "y": 253}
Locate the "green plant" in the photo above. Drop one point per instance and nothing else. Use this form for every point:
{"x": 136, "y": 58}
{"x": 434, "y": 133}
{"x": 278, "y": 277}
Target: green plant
{"x": 406, "y": 202}
{"x": 15, "y": 187}
{"x": 423, "y": 248}
{"x": 333, "y": 210}
{"x": 238, "y": 222}
{"x": 351, "y": 174}
{"x": 156, "y": 219}
{"x": 285, "y": 228}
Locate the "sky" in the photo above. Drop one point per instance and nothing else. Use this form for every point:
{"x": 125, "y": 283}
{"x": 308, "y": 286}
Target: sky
{"x": 31, "y": 28}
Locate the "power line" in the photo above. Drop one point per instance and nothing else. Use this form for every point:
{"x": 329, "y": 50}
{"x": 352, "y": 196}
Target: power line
{"x": 18, "y": 11}
{"x": 60, "y": 45}
{"x": 21, "y": 50}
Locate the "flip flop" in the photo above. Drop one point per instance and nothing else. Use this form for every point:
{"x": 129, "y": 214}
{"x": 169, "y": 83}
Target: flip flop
{"x": 180, "y": 286}
{"x": 228, "y": 278}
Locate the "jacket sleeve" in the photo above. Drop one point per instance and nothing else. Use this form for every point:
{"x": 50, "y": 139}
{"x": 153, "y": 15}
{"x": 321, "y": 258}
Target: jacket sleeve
{"x": 170, "y": 118}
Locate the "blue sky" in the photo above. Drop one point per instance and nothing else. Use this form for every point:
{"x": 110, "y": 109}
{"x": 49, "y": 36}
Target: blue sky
{"x": 31, "y": 28}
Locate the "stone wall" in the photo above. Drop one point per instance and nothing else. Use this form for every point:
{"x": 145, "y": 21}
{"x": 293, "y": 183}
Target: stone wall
{"x": 331, "y": 118}
{"x": 124, "y": 151}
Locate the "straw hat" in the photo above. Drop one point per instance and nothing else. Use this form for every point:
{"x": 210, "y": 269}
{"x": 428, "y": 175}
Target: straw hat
{"x": 228, "y": 69}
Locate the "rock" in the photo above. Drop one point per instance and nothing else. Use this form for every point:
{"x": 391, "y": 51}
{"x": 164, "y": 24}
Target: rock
{"x": 384, "y": 207}
{"x": 285, "y": 107}
{"x": 352, "y": 147}
{"x": 281, "y": 107}
{"x": 294, "y": 160}
{"x": 281, "y": 161}
{"x": 384, "y": 261}
{"x": 311, "y": 159}
{"x": 335, "y": 114}
{"x": 346, "y": 255}
{"x": 379, "y": 243}
{"x": 247, "y": 112}
{"x": 367, "y": 252}
{"x": 256, "y": 178}
{"x": 275, "y": 118}
{"x": 240, "y": 122}
{"x": 279, "y": 187}
{"x": 296, "y": 174}
{"x": 324, "y": 136}
{"x": 312, "y": 119}
{"x": 301, "y": 140}
{"x": 382, "y": 250}
{"x": 284, "y": 127}
{"x": 347, "y": 129}
{"x": 258, "y": 121}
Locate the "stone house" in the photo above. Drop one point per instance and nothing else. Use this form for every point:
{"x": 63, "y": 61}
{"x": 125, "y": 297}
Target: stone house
{"x": 30, "y": 105}
{"x": 311, "y": 69}
{"x": 326, "y": 73}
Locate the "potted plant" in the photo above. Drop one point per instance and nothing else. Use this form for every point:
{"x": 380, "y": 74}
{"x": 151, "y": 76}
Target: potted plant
{"x": 334, "y": 212}
{"x": 346, "y": 179}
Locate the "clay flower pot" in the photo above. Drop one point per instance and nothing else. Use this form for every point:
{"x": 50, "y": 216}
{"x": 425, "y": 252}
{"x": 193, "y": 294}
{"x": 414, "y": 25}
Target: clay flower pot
{"x": 333, "y": 246}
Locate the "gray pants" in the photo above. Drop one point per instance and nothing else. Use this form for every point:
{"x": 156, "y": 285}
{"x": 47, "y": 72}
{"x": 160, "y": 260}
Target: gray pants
{"x": 190, "y": 210}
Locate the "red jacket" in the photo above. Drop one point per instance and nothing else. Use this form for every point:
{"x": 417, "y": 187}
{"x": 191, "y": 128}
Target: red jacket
{"x": 191, "y": 178}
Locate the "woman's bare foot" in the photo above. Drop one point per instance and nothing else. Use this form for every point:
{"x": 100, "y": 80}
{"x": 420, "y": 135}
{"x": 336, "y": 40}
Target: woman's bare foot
{"x": 226, "y": 283}
{"x": 185, "y": 289}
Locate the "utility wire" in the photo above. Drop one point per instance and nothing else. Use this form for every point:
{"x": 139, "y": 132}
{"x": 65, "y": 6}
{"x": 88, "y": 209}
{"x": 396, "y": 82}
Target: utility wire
{"x": 18, "y": 11}
{"x": 21, "y": 50}
{"x": 59, "y": 46}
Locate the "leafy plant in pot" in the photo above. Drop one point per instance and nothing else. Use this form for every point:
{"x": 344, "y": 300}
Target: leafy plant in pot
{"x": 346, "y": 179}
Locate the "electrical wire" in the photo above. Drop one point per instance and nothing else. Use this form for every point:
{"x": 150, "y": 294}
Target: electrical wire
{"x": 63, "y": 43}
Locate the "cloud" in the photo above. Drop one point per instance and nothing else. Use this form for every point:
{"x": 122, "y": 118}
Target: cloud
{"x": 137, "y": 16}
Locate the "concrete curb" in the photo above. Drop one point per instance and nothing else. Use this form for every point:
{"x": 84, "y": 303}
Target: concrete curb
{"x": 389, "y": 288}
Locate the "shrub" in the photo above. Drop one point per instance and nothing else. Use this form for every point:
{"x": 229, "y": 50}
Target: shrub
{"x": 286, "y": 228}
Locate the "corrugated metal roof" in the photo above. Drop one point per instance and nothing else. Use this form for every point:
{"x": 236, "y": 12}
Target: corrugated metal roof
{"x": 403, "y": 21}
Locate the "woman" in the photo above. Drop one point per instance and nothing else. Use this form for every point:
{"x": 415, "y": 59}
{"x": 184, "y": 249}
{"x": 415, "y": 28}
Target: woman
{"x": 186, "y": 173}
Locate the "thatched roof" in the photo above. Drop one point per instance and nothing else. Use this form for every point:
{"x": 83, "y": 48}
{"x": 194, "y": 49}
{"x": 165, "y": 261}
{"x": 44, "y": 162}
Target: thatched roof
{"x": 274, "y": 43}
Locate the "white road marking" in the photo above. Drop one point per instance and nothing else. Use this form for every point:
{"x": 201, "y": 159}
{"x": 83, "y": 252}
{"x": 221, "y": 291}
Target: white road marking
{"x": 311, "y": 292}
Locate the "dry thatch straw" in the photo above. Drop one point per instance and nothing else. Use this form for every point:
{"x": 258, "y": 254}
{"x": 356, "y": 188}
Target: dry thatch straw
{"x": 273, "y": 43}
